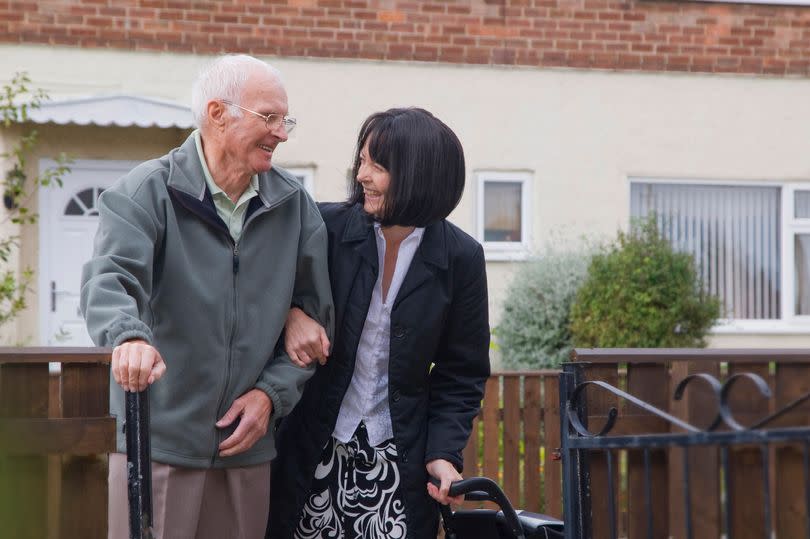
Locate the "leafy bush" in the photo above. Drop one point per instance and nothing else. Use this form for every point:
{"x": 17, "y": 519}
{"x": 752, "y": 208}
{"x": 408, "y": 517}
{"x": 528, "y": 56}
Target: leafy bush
{"x": 534, "y": 330}
{"x": 641, "y": 293}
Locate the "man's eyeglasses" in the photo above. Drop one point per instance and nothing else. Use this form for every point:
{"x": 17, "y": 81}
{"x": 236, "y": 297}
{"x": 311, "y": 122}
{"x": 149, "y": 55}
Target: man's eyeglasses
{"x": 271, "y": 121}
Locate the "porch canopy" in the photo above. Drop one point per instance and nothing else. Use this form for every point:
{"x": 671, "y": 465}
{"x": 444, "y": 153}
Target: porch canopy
{"x": 113, "y": 110}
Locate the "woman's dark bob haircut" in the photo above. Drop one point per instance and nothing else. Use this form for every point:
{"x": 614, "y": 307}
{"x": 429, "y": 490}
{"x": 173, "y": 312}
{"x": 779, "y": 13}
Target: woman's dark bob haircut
{"x": 424, "y": 159}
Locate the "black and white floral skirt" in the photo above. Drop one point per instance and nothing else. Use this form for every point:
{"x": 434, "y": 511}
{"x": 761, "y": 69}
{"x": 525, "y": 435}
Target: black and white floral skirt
{"x": 355, "y": 493}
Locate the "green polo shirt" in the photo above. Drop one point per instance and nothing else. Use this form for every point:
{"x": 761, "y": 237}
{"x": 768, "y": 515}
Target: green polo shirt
{"x": 233, "y": 215}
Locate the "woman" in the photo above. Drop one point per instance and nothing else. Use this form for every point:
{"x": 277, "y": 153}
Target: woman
{"x": 396, "y": 399}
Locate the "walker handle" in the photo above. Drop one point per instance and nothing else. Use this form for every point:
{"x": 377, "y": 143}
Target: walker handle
{"x": 485, "y": 489}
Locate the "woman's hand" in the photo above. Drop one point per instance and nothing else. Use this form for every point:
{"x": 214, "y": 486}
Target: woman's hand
{"x": 446, "y": 473}
{"x": 304, "y": 339}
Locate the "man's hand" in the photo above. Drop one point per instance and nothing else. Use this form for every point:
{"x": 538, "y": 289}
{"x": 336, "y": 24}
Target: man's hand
{"x": 305, "y": 341}
{"x": 136, "y": 364}
{"x": 445, "y": 472}
{"x": 254, "y": 409}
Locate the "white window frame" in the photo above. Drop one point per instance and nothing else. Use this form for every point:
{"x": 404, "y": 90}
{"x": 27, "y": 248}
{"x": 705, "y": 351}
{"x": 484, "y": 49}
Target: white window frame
{"x": 307, "y": 172}
{"x": 791, "y": 226}
{"x": 789, "y": 323}
{"x": 505, "y": 250}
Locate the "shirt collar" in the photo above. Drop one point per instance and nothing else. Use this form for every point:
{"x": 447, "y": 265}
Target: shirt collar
{"x": 209, "y": 180}
{"x": 416, "y": 234}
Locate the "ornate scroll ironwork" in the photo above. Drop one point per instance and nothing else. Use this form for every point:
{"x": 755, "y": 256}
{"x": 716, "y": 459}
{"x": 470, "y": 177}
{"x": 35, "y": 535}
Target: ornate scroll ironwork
{"x": 721, "y": 391}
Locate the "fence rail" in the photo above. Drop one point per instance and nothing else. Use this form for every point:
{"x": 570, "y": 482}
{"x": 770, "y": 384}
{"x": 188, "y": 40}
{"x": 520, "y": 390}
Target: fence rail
{"x": 55, "y": 432}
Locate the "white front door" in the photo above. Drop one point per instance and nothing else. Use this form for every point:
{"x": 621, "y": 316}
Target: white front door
{"x": 68, "y": 220}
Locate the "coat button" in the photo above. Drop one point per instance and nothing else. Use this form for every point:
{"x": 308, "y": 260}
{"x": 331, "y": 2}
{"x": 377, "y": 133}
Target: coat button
{"x": 399, "y": 331}
{"x": 395, "y": 395}
{"x": 404, "y": 457}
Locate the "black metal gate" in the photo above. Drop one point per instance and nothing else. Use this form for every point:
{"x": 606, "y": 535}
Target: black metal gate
{"x": 580, "y": 446}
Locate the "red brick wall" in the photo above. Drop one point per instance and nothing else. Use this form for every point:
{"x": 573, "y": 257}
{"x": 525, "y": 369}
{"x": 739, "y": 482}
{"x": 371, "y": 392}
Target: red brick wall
{"x": 610, "y": 34}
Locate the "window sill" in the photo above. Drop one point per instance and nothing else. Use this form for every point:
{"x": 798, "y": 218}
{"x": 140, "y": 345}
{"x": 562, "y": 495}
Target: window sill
{"x": 493, "y": 255}
{"x": 761, "y": 327}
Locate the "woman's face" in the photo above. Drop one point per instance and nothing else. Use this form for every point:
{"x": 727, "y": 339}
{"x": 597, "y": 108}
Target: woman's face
{"x": 374, "y": 179}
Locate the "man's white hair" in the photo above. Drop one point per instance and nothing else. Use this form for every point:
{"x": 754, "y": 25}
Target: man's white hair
{"x": 224, "y": 78}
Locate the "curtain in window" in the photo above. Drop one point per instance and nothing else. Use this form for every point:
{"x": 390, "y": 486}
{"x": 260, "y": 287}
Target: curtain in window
{"x": 502, "y": 201}
{"x": 733, "y": 233}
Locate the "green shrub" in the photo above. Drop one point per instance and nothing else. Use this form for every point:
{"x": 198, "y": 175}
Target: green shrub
{"x": 534, "y": 330}
{"x": 641, "y": 293}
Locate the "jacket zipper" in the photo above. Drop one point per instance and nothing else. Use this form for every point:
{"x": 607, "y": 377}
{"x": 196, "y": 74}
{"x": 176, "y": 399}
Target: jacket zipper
{"x": 234, "y": 323}
{"x": 235, "y": 266}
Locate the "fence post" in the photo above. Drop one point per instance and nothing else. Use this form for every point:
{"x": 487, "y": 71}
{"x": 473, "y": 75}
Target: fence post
{"x": 552, "y": 468}
{"x": 576, "y": 474}
{"x": 85, "y": 393}
{"x": 77, "y": 440}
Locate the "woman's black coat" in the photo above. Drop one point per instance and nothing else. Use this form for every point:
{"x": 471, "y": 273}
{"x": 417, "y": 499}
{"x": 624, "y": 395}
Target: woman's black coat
{"x": 439, "y": 362}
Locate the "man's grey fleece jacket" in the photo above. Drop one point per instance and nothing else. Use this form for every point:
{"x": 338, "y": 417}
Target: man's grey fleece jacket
{"x": 165, "y": 269}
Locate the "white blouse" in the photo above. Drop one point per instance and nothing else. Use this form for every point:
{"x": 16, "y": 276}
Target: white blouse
{"x": 366, "y": 399}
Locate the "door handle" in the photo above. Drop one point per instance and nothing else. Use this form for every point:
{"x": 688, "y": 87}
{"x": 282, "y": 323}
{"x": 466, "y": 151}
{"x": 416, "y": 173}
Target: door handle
{"x": 53, "y": 296}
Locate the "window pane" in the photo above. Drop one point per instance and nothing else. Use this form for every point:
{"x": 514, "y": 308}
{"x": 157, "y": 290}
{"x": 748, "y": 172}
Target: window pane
{"x": 802, "y": 279}
{"x": 86, "y": 197}
{"x": 73, "y": 208}
{"x": 84, "y": 202}
{"x": 733, "y": 233}
{"x": 802, "y": 204}
{"x": 502, "y": 217}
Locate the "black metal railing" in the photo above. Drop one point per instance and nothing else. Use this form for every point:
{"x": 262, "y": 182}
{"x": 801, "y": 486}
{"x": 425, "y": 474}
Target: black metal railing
{"x": 581, "y": 445}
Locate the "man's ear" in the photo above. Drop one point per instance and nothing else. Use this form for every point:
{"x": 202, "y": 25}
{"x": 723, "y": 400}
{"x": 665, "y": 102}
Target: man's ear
{"x": 216, "y": 113}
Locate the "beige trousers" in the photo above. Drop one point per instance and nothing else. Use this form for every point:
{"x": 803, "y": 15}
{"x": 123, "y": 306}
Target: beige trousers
{"x": 190, "y": 503}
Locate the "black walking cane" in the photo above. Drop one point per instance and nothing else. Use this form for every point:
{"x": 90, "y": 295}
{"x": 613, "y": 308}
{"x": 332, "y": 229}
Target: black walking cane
{"x": 139, "y": 467}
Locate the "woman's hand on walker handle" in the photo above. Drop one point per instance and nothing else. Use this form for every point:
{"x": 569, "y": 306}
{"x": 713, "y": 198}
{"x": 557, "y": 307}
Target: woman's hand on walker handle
{"x": 305, "y": 340}
{"x": 445, "y": 472}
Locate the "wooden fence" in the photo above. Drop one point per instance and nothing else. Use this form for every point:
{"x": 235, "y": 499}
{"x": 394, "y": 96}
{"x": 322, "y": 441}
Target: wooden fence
{"x": 516, "y": 436}
{"x": 55, "y": 432}
{"x": 515, "y": 439}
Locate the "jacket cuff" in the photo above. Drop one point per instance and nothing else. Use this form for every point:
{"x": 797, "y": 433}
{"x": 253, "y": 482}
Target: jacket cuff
{"x": 275, "y": 398}
{"x": 449, "y": 457}
{"x": 130, "y": 335}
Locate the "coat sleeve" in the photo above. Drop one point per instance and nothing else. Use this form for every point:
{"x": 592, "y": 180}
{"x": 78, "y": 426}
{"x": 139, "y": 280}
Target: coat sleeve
{"x": 462, "y": 365}
{"x": 281, "y": 379}
{"x": 117, "y": 280}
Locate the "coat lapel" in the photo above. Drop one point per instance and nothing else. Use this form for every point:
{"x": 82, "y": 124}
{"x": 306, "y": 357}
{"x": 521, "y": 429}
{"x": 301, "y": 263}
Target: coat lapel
{"x": 360, "y": 232}
{"x": 429, "y": 257}
{"x": 362, "y": 269}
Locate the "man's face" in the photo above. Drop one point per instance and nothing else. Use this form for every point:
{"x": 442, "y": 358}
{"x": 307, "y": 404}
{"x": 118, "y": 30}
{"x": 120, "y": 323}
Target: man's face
{"x": 247, "y": 139}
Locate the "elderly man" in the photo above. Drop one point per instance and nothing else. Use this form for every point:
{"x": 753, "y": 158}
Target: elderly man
{"x": 198, "y": 257}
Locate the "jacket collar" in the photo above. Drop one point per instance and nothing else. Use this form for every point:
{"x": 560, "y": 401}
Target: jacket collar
{"x": 360, "y": 228}
{"x": 186, "y": 175}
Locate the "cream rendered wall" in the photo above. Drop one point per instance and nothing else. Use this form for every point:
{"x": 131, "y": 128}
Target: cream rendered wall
{"x": 583, "y": 133}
